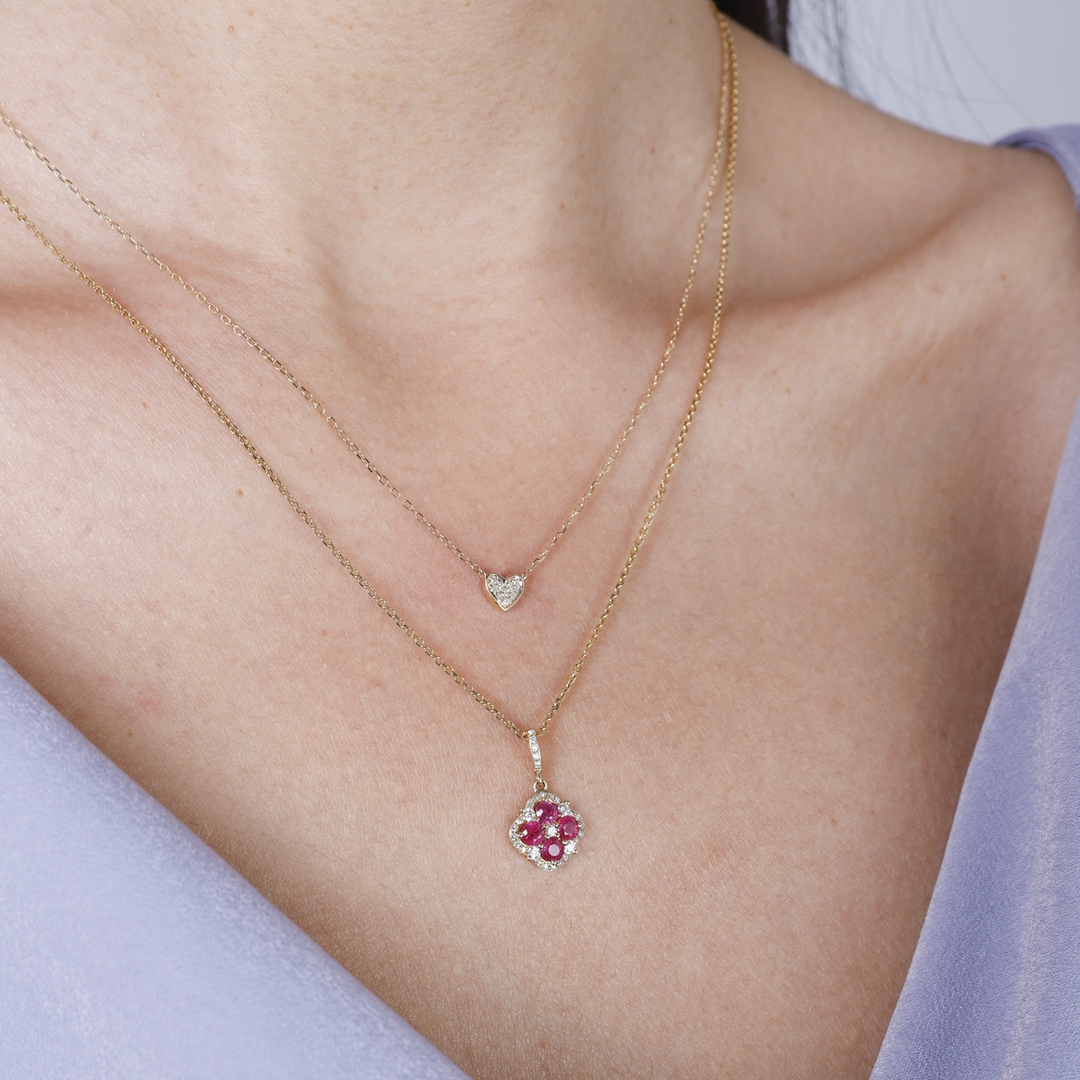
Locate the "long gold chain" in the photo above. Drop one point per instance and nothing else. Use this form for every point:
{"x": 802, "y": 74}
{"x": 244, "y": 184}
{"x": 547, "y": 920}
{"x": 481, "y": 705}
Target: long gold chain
{"x": 357, "y": 452}
{"x": 729, "y": 135}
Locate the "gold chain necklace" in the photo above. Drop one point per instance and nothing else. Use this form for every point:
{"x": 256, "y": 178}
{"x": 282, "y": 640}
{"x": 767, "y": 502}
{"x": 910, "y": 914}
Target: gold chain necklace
{"x": 503, "y": 591}
{"x": 547, "y": 830}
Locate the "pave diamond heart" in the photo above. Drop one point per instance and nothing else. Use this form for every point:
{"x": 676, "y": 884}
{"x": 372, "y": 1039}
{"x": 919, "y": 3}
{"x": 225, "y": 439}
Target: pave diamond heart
{"x": 547, "y": 831}
{"x": 504, "y": 592}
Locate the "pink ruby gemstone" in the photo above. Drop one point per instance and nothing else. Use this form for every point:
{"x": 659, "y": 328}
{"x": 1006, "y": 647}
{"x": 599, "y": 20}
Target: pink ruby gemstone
{"x": 531, "y": 833}
{"x": 568, "y": 827}
{"x": 551, "y": 850}
{"x": 546, "y": 812}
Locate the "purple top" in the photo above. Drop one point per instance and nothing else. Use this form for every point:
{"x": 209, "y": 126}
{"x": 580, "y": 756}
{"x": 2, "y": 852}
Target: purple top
{"x": 129, "y": 949}
{"x": 994, "y": 988}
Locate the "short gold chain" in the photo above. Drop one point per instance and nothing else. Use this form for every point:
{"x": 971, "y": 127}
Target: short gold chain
{"x": 357, "y": 452}
{"x": 729, "y": 136}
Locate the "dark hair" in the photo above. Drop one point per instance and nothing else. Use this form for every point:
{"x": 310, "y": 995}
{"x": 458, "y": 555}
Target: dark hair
{"x": 766, "y": 18}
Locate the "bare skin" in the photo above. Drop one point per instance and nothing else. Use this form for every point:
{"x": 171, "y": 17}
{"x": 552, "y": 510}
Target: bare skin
{"x": 425, "y": 213}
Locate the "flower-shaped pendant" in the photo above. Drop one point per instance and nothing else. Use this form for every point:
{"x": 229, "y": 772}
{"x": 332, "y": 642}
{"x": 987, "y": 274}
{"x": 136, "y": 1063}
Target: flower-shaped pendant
{"x": 548, "y": 830}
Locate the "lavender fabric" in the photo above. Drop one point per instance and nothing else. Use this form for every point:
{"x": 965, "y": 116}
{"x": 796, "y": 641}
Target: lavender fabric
{"x": 993, "y": 992}
{"x": 1062, "y": 143}
{"x": 129, "y": 950}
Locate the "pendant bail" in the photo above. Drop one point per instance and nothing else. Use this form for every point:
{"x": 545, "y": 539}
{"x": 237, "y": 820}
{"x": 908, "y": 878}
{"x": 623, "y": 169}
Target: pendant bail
{"x": 534, "y": 749}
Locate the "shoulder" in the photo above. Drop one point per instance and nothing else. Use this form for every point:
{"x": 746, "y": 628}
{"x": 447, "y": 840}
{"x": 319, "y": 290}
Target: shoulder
{"x": 941, "y": 279}
{"x": 833, "y": 189}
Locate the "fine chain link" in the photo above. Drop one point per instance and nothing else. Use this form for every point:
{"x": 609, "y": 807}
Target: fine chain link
{"x": 729, "y": 129}
{"x": 357, "y": 452}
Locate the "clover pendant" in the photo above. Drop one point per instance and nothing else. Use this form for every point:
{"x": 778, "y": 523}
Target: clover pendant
{"x": 548, "y": 829}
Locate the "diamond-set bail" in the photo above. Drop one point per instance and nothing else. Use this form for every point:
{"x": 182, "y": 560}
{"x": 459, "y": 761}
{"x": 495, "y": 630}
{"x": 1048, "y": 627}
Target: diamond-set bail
{"x": 504, "y": 592}
{"x": 548, "y": 829}
{"x": 534, "y": 749}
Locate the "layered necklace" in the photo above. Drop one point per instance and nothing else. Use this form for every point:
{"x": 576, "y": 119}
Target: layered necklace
{"x": 503, "y": 590}
{"x": 548, "y": 829}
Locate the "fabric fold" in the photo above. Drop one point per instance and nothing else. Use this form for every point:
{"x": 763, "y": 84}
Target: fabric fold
{"x": 993, "y": 992}
{"x": 129, "y": 950}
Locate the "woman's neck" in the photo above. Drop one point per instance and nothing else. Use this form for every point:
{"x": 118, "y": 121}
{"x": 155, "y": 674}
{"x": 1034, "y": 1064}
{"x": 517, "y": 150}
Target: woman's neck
{"x": 389, "y": 146}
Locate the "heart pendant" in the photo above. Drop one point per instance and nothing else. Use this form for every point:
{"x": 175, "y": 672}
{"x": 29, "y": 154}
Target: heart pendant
{"x": 504, "y": 592}
{"x": 547, "y": 831}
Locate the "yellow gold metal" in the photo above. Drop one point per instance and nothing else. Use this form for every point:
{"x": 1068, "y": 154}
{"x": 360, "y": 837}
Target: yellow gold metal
{"x": 727, "y": 138}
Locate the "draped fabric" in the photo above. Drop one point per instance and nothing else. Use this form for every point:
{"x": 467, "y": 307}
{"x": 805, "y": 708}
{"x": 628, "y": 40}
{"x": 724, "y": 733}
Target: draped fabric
{"x": 994, "y": 988}
{"x": 129, "y": 950}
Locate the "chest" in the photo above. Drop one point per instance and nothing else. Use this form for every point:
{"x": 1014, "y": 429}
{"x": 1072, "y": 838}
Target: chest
{"x": 766, "y": 747}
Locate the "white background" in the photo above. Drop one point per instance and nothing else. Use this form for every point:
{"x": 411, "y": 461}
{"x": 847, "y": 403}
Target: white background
{"x": 973, "y": 68}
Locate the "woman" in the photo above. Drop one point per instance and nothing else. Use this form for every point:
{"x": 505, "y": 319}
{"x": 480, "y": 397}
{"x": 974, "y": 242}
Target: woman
{"x": 466, "y": 230}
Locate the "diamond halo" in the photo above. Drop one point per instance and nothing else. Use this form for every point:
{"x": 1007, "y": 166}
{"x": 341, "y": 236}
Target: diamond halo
{"x": 548, "y": 834}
